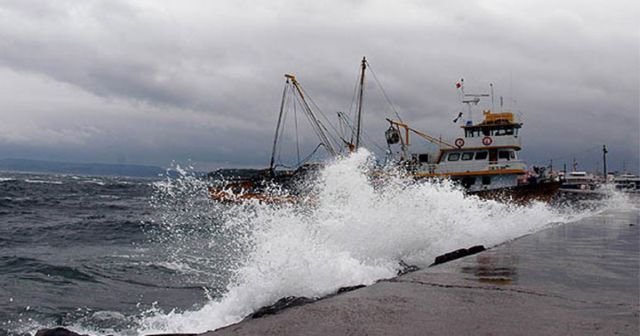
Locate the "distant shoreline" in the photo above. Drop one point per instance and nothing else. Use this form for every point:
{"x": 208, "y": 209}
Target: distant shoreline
{"x": 94, "y": 169}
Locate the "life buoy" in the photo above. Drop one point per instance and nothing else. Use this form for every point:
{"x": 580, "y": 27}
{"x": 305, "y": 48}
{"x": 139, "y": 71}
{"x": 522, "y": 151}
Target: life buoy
{"x": 459, "y": 142}
{"x": 487, "y": 141}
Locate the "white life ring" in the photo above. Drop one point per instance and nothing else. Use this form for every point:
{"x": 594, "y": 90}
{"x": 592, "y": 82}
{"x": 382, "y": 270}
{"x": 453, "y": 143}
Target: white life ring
{"x": 487, "y": 141}
{"x": 459, "y": 142}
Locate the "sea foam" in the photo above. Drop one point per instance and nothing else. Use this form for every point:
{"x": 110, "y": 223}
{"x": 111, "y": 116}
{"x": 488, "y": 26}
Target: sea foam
{"x": 355, "y": 231}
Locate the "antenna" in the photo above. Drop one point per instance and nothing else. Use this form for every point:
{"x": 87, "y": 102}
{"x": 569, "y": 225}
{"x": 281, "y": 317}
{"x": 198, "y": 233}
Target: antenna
{"x": 511, "y": 90}
{"x": 472, "y": 98}
{"x": 493, "y": 105}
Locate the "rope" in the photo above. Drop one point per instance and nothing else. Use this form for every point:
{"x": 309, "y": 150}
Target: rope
{"x": 283, "y": 127}
{"x": 329, "y": 134}
{"x": 310, "y": 155}
{"x": 352, "y": 109}
{"x": 384, "y": 93}
{"x": 365, "y": 135}
{"x": 295, "y": 120}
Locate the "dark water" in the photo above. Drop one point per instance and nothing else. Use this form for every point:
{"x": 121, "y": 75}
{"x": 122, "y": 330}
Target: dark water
{"x": 106, "y": 253}
{"x": 74, "y": 248}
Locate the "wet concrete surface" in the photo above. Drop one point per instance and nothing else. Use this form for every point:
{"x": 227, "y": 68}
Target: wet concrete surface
{"x": 580, "y": 278}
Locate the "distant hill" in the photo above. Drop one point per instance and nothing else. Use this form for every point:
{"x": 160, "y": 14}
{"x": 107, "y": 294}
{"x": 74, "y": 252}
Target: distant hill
{"x": 101, "y": 169}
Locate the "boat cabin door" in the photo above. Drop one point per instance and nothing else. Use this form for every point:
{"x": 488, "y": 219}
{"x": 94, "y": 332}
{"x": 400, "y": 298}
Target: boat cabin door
{"x": 493, "y": 155}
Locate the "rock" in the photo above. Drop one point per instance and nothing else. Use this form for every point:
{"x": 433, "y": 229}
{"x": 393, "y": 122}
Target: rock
{"x": 476, "y": 249}
{"x": 285, "y": 302}
{"x": 457, "y": 254}
{"x": 59, "y": 331}
{"x": 406, "y": 268}
{"x": 349, "y": 288}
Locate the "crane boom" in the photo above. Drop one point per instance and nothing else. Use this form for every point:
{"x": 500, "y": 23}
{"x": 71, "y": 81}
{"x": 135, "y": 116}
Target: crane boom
{"x": 421, "y": 134}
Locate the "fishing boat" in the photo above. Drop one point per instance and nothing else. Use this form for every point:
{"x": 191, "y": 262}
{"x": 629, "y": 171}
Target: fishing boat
{"x": 280, "y": 183}
{"x": 484, "y": 160}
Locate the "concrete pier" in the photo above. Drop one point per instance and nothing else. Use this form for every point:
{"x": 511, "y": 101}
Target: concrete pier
{"x": 580, "y": 278}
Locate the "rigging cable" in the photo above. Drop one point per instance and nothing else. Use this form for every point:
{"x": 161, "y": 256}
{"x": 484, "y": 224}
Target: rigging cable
{"x": 353, "y": 107}
{"x": 295, "y": 120}
{"x": 384, "y": 93}
{"x": 316, "y": 125}
{"x": 330, "y": 135}
{"x": 276, "y": 136}
{"x": 313, "y": 152}
{"x": 365, "y": 135}
{"x": 283, "y": 125}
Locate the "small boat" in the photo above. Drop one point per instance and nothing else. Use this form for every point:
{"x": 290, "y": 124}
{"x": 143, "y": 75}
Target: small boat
{"x": 579, "y": 182}
{"x": 627, "y": 183}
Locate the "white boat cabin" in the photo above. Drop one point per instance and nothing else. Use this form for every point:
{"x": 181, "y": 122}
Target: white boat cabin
{"x": 485, "y": 158}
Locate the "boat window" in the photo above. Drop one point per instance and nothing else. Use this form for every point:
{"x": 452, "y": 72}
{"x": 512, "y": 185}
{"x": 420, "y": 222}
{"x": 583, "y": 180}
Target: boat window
{"x": 422, "y": 158}
{"x": 509, "y": 131}
{"x": 466, "y": 156}
{"x": 486, "y": 132}
{"x": 454, "y": 156}
{"x": 512, "y": 155}
{"x": 481, "y": 155}
{"x": 486, "y": 180}
{"x": 472, "y": 132}
{"x": 504, "y": 155}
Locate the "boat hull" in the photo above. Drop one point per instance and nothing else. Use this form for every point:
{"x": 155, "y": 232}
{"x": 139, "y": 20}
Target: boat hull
{"x": 522, "y": 194}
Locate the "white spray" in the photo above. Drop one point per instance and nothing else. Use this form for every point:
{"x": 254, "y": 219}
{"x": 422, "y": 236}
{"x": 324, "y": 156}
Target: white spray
{"x": 356, "y": 232}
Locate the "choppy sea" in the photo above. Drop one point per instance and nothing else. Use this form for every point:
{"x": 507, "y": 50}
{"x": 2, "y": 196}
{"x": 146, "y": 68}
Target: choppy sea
{"x": 125, "y": 256}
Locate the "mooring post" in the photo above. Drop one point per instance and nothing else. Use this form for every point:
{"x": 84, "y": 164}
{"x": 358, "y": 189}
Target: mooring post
{"x": 604, "y": 162}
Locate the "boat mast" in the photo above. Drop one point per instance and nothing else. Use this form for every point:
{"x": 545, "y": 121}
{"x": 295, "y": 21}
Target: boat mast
{"x": 356, "y": 143}
{"x": 315, "y": 123}
{"x": 275, "y": 138}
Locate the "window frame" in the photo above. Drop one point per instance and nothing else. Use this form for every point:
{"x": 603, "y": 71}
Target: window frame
{"x": 462, "y": 157}
{"x": 454, "y": 154}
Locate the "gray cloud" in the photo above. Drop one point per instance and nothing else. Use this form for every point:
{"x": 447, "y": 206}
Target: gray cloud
{"x": 154, "y": 81}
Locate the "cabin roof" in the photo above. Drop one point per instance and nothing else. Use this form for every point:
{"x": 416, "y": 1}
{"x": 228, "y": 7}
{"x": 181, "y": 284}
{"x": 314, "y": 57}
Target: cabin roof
{"x": 484, "y": 125}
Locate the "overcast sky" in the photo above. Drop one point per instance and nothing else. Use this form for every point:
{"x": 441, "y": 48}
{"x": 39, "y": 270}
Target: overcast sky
{"x": 151, "y": 82}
